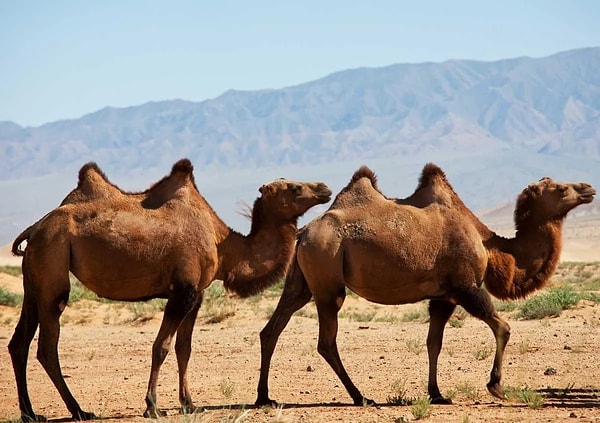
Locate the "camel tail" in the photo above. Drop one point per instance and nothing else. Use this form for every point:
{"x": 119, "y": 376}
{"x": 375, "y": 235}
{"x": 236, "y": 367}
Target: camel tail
{"x": 23, "y": 236}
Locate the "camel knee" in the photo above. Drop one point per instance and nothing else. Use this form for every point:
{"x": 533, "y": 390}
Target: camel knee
{"x": 504, "y": 332}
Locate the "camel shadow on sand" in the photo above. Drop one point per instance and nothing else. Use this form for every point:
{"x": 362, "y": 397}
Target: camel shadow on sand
{"x": 570, "y": 397}
{"x": 576, "y": 398}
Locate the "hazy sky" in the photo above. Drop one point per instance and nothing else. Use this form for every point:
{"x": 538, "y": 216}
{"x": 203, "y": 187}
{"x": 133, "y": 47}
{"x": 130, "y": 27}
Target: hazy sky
{"x": 64, "y": 59}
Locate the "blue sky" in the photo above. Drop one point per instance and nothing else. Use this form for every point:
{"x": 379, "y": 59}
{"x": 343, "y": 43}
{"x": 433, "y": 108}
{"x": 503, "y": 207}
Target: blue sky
{"x": 64, "y": 59}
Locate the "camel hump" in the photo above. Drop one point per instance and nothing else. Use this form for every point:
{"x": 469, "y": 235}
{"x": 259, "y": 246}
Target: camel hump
{"x": 171, "y": 186}
{"x": 92, "y": 184}
{"x": 183, "y": 166}
{"x": 429, "y": 172}
{"x": 89, "y": 169}
{"x": 364, "y": 172}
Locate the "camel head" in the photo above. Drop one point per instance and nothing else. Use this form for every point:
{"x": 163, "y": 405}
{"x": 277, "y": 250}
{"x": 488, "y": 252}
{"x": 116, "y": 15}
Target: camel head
{"x": 288, "y": 200}
{"x": 551, "y": 200}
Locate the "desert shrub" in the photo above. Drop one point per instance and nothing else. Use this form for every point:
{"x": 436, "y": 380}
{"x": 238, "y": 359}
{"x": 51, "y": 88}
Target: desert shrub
{"x": 421, "y": 408}
{"x": 399, "y": 394}
{"x": 10, "y": 299}
{"x": 549, "y": 304}
{"x": 11, "y": 270}
{"x": 217, "y": 306}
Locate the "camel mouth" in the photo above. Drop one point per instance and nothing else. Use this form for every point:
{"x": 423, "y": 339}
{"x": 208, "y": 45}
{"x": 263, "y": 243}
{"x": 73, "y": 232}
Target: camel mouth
{"x": 323, "y": 195}
{"x": 587, "y": 196}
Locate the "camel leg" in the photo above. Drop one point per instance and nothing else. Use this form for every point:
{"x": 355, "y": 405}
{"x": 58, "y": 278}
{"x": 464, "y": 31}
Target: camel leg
{"x": 295, "y": 295}
{"x": 183, "y": 349}
{"x": 478, "y": 303}
{"x": 47, "y": 353}
{"x": 19, "y": 353}
{"x": 327, "y": 344}
{"x": 182, "y": 301}
{"x": 439, "y": 313}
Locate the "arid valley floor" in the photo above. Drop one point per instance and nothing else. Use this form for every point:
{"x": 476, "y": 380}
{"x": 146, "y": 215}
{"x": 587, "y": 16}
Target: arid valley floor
{"x": 552, "y": 362}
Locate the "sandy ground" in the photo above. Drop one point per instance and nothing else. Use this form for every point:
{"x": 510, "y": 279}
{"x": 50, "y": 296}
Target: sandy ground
{"x": 105, "y": 356}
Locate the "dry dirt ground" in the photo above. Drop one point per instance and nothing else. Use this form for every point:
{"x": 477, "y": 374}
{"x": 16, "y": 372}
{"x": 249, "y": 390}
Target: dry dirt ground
{"x": 105, "y": 356}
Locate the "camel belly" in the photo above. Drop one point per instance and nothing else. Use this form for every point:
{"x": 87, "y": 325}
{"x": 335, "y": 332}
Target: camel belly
{"x": 399, "y": 289}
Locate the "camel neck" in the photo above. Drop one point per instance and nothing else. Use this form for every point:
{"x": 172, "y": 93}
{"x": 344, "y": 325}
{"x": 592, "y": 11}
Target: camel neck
{"x": 520, "y": 265}
{"x": 252, "y": 263}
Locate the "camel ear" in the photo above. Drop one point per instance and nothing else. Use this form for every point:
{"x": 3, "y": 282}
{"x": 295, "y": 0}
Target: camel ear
{"x": 267, "y": 190}
{"x": 534, "y": 190}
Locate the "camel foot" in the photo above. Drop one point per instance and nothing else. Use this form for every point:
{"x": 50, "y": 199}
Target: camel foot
{"x": 28, "y": 418}
{"x": 266, "y": 402}
{"x": 496, "y": 390}
{"x": 154, "y": 413}
{"x": 440, "y": 400}
{"x": 364, "y": 402}
{"x": 84, "y": 415}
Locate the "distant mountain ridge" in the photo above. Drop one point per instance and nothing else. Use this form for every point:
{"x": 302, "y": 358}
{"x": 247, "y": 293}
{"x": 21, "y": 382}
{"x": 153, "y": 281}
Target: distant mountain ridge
{"x": 547, "y": 105}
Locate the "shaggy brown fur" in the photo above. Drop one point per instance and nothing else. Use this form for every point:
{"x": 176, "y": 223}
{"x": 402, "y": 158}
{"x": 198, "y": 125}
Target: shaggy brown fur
{"x": 163, "y": 242}
{"x": 426, "y": 246}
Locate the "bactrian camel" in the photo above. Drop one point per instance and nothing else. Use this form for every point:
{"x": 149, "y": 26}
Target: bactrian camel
{"x": 166, "y": 242}
{"x": 427, "y": 246}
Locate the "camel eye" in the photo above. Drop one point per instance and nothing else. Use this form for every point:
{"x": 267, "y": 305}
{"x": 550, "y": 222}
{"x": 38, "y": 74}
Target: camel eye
{"x": 295, "y": 189}
{"x": 563, "y": 190}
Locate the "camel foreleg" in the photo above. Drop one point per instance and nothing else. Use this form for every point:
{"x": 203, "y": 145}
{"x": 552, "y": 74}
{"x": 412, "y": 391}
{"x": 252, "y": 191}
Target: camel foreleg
{"x": 439, "y": 312}
{"x": 295, "y": 295}
{"x": 477, "y": 301}
{"x": 183, "y": 349}
{"x": 183, "y": 300}
{"x": 327, "y": 344}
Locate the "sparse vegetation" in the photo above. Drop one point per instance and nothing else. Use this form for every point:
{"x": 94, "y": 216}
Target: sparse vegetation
{"x": 217, "y": 306}
{"x": 398, "y": 396}
{"x": 483, "y": 353}
{"x": 9, "y": 299}
{"x": 11, "y": 270}
{"x": 420, "y": 315}
{"x": 227, "y": 388}
{"x": 458, "y": 318}
{"x": 421, "y": 408}
{"x": 549, "y": 303}
{"x": 415, "y": 346}
{"x": 526, "y": 396}
{"x": 467, "y": 390}
{"x": 144, "y": 311}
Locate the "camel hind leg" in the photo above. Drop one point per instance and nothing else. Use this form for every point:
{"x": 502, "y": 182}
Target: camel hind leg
{"x": 18, "y": 348}
{"x": 295, "y": 295}
{"x": 53, "y": 298}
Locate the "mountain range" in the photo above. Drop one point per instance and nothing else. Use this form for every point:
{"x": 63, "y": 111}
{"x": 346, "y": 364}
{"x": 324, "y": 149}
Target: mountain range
{"x": 495, "y": 126}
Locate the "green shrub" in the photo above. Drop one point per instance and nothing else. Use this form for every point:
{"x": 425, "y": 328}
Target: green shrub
{"x": 10, "y": 299}
{"x": 549, "y": 304}
{"x": 11, "y": 270}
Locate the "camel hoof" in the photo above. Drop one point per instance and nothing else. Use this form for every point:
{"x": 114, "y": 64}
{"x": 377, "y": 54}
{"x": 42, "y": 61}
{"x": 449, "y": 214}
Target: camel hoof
{"x": 364, "y": 402}
{"x": 84, "y": 415}
{"x": 496, "y": 390}
{"x": 440, "y": 401}
{"x": 28, "y": 418}
{"x": 266, "y": 402}
{"x": 154, "y": 413}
